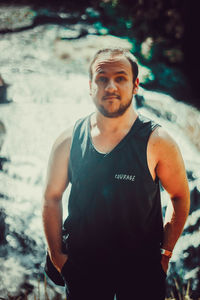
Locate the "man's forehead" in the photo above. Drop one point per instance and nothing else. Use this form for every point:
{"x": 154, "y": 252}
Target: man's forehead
{"x": 111, "y": 61}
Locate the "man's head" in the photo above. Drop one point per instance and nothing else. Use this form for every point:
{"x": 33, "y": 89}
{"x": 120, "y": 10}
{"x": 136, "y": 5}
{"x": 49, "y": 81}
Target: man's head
{"x": 113, "y": 52}
{"x": 113, "y": 81}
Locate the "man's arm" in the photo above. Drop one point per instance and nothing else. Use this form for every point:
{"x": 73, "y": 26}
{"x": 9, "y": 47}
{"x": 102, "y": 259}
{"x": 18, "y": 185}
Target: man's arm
{"x": 171, "y": 171}
{"x": 56, "y": 183}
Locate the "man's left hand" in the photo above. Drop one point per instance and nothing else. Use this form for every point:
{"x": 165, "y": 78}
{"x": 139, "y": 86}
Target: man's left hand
{"x": 165, "y": 263}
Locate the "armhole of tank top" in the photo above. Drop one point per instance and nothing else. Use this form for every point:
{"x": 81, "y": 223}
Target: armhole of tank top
{"x": 72, "y": 140}
{"x": 156, "y": 181}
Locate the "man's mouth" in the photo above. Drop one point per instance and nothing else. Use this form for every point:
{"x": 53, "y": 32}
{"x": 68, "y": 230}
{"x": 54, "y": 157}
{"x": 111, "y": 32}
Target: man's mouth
{"x": 111, "y": 97}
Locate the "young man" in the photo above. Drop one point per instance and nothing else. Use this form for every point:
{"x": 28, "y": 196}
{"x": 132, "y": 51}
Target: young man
{"x": 115, "y": 159}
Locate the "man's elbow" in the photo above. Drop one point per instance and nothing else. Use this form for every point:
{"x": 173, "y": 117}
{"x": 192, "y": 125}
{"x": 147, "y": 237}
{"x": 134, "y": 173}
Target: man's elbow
{"x": 51, "y": 198}
{"x": 182, "y": 202}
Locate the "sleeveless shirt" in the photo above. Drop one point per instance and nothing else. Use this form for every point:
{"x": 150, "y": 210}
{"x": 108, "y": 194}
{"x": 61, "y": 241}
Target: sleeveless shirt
{"x": 114, "y": 204}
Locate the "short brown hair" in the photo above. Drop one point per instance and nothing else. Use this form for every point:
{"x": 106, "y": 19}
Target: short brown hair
{"x": 117, "y": 51}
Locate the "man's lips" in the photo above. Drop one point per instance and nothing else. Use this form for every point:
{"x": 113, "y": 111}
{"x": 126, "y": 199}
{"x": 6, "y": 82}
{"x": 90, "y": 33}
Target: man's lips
{"x": 111, "y": 97}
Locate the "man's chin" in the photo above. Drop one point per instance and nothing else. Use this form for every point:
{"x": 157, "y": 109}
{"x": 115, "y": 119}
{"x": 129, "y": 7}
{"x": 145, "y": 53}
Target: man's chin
{"x": 113, "y": 114}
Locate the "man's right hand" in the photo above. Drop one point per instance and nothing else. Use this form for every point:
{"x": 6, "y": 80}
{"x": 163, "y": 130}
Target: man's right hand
{"x": 59, "y": 260}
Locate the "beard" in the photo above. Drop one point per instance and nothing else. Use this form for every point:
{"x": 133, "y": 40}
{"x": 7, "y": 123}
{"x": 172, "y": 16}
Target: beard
{"x": 117, "y": 113}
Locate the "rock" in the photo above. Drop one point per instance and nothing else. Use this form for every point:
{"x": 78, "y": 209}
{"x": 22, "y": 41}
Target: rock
{"x": 2, "y": 138}
{"x": 3, "y": 91}
{"x": 139, "y": 100}
{"x": 3, "y": 227}
{"x": 2, "y": 134}
{"x": 195, "y": 199}
{"x": 15, "y": 17}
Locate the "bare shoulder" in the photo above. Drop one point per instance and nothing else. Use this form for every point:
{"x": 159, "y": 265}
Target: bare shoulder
{"x": 170, "y": 167}
{"x": 63, "y": 142}
{"x": 160, "y": 135}
{"x": 162, "y": 151}
{"x": 161, "y": 143}
{"x": 57, "y": 175}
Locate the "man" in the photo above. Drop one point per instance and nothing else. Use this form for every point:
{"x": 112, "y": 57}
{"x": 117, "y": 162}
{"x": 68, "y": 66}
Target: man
{"x": 115, "y": 158}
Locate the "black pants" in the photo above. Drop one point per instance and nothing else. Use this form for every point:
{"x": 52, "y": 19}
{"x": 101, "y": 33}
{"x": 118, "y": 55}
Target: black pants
{"x": 125, "y": 279}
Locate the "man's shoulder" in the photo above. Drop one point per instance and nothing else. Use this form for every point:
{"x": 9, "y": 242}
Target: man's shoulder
{"x": 161, "y": 141}
{"x": 63, "y": 141}
{"x": 161, "y": 135}
{"x": 146, "y": 124}
{"x": 65, "y": 138}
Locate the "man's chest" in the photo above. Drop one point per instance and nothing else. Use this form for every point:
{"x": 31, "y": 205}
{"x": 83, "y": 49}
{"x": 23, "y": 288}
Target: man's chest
{"x": 105, "y": 143}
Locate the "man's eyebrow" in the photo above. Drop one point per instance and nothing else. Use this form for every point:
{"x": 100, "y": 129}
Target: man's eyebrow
{"x": 119, "y": 72}
{"x": 101, "y": 72}
{"x": 122, "y": 73}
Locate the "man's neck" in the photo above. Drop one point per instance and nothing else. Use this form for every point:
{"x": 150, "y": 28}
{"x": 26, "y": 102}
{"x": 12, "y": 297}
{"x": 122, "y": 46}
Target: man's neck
{"x": 106, "y": 125}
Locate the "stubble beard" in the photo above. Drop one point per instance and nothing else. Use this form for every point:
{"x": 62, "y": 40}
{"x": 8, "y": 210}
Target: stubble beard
{"x": 119, "y": 112}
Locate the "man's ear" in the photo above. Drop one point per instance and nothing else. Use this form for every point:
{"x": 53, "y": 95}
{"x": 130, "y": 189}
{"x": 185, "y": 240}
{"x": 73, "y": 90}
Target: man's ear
{"x": 136, "y": 86}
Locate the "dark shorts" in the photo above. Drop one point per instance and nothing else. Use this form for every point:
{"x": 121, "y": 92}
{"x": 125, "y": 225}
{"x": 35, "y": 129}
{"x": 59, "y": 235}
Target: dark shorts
{"x": 124, "y": 279}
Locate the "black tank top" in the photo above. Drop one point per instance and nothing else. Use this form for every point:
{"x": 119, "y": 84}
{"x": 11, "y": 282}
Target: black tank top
{"x": 114, "y": 204}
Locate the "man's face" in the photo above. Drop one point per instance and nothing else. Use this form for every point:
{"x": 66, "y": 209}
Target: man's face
{"x": 111, "y": 87}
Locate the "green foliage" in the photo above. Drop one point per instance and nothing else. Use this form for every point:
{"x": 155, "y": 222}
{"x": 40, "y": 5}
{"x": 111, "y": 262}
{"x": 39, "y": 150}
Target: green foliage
{"x": 100, "y": 28}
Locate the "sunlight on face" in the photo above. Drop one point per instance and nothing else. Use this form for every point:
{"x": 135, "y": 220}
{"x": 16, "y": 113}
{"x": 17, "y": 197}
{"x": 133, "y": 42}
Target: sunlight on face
{"x": 111, "y": 87}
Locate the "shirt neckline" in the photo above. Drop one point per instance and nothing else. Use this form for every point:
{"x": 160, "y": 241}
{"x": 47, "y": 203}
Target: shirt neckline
{"x": 120, "y": 144}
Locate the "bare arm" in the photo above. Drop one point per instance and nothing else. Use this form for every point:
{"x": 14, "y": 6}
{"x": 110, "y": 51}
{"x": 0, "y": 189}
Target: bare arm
{"x": 56, "y": 183}
{"x": 171, "y": 171}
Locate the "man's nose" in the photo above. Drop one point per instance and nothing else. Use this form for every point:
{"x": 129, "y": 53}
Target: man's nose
{"x": 111, "y": 86}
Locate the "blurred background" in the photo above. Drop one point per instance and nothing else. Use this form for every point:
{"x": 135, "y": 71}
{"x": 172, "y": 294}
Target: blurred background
{"x": 45, "y": 50}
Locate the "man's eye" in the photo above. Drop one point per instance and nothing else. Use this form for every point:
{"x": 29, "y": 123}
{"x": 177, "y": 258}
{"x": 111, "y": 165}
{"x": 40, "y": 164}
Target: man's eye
{"x": 120, "y": 78}
{"x": 102, "y": 79}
